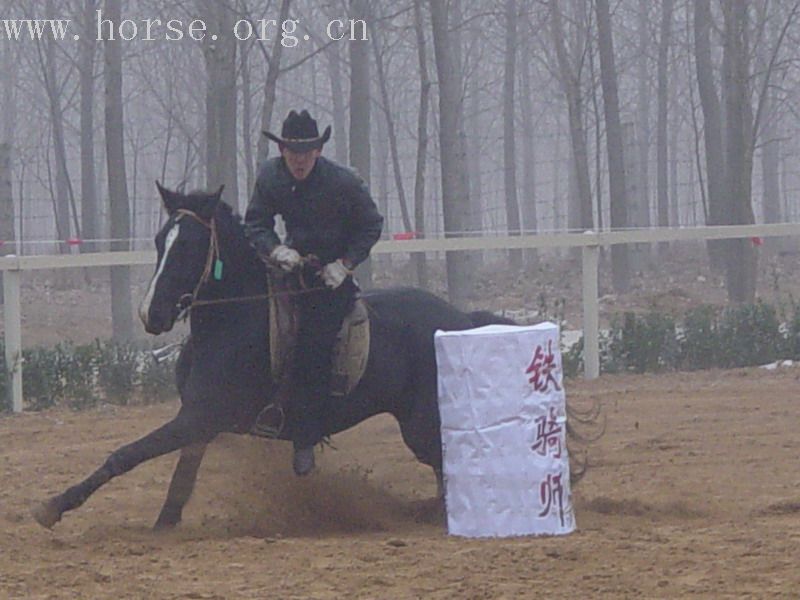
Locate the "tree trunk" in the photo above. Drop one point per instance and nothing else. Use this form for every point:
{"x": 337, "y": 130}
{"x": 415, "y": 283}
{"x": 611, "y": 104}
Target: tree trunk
{"x": 674, "y": 198}
{"x": 7, "y": 233}
{"x": 473, "y": 199}
{"x": 121, "y": 308}
{"x": 339, "y": 115}
{"x": 712, "y": 127}
{"x": 271, "y": 84}
{"x": 509, "y": 132}
{"x": 89, "y": 228}
{"x": 221, "y": 105}
{"x": 571, "y": 85}
{"x": 420, "y": 263}
{"x": 392, "y": 135}
{"x": 455, "y": 197}
{"x": 7, "y": 216}
{"x": 59, "y": 143}
{"x": 529, "y": 214}
{"x": 360, "y": 114}
{"x": 662, "y": 183}
{"x": 620, "y": 272}
{"x": 741, "y": 263}
{"x": 640, "y": 203}
{"x": 247, "y": 118}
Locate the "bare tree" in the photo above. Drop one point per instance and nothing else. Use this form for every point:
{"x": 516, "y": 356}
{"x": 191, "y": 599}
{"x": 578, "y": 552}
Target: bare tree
{"x": 712, "y": 124}
{"x": 54, "y": 86}
{"x": 7, "y": 234}
{"x": 640, "y": 181}
{"x": 360, "y": 113}
{"x": 422, "y": 141}
{"x": 392, "y": 135}
{"x": 219, "y": 50}
{"x": 89, "y": 208}
{"x": 569, "y": 74}
{"x": 273, "y": 59}
{"x": 247, "y": 114}
{"x": 528, "y": 204}
{"x": 7, "y": 213}
{"x": 620, "y": 272}
{"x": 332, "y": 53}
{"x": 121, "y": 307}
{"x": 455, "y": 197}
{"x": 741, "y": 256}
{"x": 509, "y": 130}
{"x": 662, "y": 166}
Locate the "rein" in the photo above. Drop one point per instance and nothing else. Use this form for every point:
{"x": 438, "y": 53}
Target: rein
{"x": 213, "y": 263}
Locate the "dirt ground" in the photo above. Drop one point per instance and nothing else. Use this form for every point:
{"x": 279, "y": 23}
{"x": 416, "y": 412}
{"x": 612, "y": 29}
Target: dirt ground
{"x": 694, "y": 491}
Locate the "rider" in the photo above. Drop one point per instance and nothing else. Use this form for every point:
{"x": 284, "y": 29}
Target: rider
{"x": 329, "y": 213}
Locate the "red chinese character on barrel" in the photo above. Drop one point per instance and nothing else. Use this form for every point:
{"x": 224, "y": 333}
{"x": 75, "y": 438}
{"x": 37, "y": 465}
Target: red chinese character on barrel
{"x": 548, "y": 435}
{"x": 551, "y": 495}
{"x": 542, "y": 368}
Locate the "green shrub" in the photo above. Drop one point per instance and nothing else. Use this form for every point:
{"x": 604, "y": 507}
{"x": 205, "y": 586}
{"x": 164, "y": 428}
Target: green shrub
{"x": 117, "y": 366}
{"x": 80, "y": 376}
{"x": 157, "y": 381}
{"x": 642, "y": 344}
{"x": 78, "y": 369}
{"x": 41, "y": 377}
{"x": 749, "y": 334}
{"x": 699, "y": 340}
{"x": 738, "y": 336}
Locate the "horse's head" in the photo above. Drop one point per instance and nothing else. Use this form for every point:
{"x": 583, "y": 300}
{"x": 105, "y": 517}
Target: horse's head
{"x": 185, "y": 256}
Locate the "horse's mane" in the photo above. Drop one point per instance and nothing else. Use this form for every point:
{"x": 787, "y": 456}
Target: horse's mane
{"x": 228, "y": 220}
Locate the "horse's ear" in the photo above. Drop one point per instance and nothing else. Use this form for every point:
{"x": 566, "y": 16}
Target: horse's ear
{"x": 168, "y": 197}
{"x": 209, "y": 205}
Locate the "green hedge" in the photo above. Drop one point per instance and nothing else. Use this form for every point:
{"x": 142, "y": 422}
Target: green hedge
{"x": 707, "y": 337}
{"x": 82, "y": 376}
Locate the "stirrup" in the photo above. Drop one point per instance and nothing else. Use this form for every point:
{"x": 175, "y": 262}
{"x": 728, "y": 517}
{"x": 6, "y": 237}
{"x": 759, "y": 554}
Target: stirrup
{"x": 269, "y": 422}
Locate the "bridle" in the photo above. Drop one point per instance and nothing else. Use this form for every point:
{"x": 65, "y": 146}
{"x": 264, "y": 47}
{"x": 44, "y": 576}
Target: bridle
{"x": 214, "y": 265}
{"x": 212, "y": 260}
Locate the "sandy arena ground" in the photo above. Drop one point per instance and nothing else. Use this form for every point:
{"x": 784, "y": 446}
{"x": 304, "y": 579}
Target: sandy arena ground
{"x": 695, "y": 491}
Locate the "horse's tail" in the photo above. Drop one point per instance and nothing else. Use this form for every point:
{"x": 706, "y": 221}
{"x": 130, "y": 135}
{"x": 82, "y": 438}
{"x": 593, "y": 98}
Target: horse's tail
{"x": 480, "y": 318}
{"x": 585, "y": 424}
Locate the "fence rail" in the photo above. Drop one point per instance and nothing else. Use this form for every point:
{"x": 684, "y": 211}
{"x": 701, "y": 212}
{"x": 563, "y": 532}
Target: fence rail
{"x": 12, "y": 268}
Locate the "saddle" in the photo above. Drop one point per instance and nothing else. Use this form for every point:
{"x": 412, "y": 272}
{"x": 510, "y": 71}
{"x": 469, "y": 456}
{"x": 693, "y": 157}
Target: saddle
{"x": 350, "y": 352}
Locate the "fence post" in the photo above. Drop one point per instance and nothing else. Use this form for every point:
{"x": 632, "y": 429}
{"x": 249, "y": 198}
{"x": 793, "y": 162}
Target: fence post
{"x": 591, "y": 345}
{"x": 13, "y": 338}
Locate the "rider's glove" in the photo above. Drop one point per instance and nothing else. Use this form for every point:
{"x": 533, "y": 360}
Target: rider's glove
{"x": 286, "y": 258}
{"x": 334, "y": 274}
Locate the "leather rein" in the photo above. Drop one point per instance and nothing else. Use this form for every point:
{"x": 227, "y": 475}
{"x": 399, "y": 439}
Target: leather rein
{"x": 213, "y": 264}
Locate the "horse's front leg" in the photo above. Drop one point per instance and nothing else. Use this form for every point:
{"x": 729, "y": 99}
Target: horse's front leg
{"x": 181, "y": 486}
{"x": 183, "y": 430}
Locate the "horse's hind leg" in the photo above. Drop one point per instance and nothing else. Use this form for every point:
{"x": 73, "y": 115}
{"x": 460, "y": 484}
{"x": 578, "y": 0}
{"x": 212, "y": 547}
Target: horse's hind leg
{"x": 181, "y": 486}
{"x": 420, "y": 432}
{"x": 439, "y": 482}
{"x": 181, "y": 431}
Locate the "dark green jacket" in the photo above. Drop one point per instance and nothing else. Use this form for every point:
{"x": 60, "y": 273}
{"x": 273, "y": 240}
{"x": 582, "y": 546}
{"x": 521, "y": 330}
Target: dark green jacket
{"x": 329, "y": 214}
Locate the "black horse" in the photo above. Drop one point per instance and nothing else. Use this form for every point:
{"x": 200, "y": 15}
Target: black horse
{"x": 223, "y": 372}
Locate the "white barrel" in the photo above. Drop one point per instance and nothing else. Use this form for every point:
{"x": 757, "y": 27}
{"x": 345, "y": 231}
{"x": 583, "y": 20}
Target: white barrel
{"x": 503, "y": 412}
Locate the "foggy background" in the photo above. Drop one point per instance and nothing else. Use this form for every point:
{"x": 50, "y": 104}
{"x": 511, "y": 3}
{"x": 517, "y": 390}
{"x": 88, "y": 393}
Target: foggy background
{"x": 465, "y": 117}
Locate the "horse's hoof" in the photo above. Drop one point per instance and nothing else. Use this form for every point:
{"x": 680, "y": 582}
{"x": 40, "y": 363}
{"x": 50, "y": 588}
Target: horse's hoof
{"x": 166, "y": 522}
{"x": 163, "y": 526}
{"x": 46, "y": 513}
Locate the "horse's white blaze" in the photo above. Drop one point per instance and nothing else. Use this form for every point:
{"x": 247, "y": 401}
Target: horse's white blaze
{"x": 144, "y": 307}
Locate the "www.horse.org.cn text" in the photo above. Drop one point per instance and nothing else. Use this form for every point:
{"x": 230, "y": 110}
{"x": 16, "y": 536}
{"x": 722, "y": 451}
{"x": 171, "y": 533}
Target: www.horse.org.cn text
{"x": 290, "y": 31}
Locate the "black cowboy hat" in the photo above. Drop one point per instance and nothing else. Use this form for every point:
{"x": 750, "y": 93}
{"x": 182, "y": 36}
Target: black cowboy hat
{"x": 300, "y": 133}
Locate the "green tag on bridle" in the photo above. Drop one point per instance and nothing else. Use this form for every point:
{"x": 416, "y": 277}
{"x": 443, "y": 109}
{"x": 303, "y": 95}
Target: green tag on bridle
{"x": 218, "y": 270}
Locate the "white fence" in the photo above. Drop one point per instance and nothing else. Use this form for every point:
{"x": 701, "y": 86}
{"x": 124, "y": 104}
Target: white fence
{"x": 12, "y": 268}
